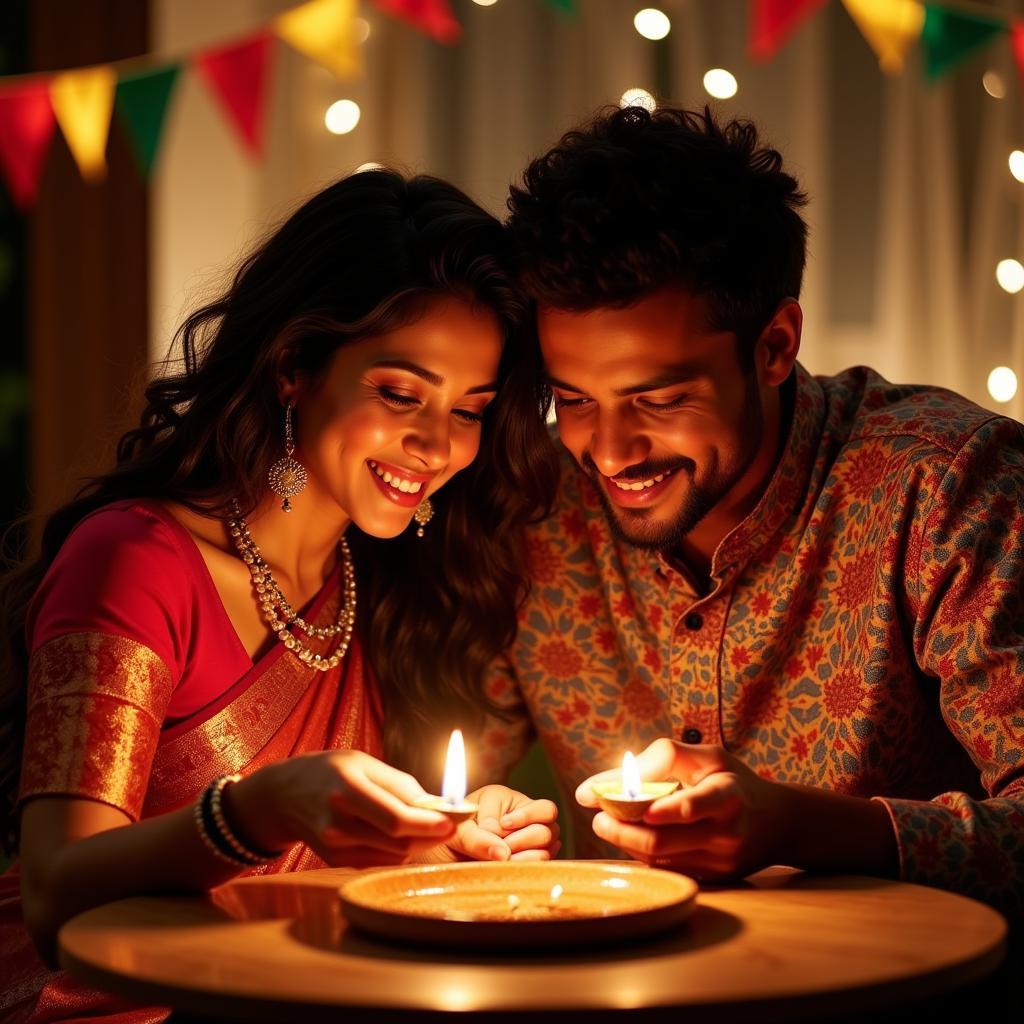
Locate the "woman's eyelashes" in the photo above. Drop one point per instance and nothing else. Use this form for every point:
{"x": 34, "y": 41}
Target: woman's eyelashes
{"x": 395, "y": 398}
{"x": 401, "y": 401}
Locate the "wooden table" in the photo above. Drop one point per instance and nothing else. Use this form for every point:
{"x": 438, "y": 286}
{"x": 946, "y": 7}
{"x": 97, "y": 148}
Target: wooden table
{"x": 783, "y": 946}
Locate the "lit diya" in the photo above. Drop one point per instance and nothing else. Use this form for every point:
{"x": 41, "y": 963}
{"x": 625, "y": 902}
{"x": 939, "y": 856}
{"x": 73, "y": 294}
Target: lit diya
{"x": 452, "y": 802}
{"x": 628, "y": 797}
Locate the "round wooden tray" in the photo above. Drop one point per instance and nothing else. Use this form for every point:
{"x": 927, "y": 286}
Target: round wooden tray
{"x": 515, "y": 906}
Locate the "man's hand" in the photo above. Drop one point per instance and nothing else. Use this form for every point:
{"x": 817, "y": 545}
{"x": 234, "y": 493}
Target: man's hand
{"x": 726, "y": 821}
{"x": 508, "y": 826}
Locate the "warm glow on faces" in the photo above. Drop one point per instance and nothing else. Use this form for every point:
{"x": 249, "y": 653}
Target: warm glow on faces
{"x": 655, "y": 407}
{"x": 373, "y": 413}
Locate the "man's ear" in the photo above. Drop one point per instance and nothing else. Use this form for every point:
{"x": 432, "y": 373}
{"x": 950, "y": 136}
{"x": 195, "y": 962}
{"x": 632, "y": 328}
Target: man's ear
{"x": 779, "y": 343}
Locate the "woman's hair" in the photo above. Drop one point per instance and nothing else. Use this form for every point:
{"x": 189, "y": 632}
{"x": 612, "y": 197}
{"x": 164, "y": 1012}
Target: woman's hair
{"x": 357, "y": 260}
{"x": 633, "y": 201}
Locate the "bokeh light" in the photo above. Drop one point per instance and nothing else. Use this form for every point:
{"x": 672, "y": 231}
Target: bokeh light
{"x": 720, "y": 83}
{"x": 652, "y": 23}
{"x": 1002, "y": 384}
{"x": 342, "y": 117}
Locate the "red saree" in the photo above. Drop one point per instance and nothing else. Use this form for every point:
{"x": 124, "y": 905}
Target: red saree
{"x": 140, "y": 692}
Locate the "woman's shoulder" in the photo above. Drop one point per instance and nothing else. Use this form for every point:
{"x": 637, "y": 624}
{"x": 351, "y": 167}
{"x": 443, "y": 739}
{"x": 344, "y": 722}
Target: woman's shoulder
{"x": 144, "y": 524}
{"x": 125, "y": 542}
{"x": 125, "y": 569}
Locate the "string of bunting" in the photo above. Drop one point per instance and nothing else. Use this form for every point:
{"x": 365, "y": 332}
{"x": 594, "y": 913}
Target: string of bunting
{"x": 949, "y": 31}
{"x": 238, "y": 73}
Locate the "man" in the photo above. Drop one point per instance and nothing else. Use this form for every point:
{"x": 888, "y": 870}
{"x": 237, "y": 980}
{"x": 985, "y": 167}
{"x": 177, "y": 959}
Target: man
{"x": 803, "y": 594}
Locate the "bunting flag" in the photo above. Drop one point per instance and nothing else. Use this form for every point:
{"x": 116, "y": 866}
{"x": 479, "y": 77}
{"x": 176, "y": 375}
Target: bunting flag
{"x": 772, "y": 22}
{"x": 237, "y": 75}
{"x": 142, "y": 102}
{"x": 890, "y": 27}
{"x": 26, "y": 129}
{"x": 83, "y": 101}
{"x": 434, "y": 17}
{"x": 323, "y": 30}
{"x": 950, "y": 36}
{"x": 1017, "y": 44}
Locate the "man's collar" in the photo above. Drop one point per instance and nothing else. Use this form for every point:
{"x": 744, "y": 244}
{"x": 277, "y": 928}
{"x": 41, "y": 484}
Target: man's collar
{"x": 785, "y": 489}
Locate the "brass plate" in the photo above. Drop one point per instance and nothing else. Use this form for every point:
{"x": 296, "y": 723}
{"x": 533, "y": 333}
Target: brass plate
{"x": 508, "y": 905}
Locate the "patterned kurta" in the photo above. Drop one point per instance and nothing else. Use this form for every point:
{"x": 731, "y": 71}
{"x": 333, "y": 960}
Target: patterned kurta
{"x": 864, "y": 630}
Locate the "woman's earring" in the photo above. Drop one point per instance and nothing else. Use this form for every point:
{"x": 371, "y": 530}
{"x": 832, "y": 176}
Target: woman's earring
{"x": 287, "y": 476}
{"x": 423, "y": 514}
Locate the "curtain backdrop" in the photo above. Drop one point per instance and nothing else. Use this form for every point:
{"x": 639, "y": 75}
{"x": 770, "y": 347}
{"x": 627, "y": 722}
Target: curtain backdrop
{"x": 912, "y": 201}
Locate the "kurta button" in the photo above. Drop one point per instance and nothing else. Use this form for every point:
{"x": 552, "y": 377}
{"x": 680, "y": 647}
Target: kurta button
{"x": 693, "y": 621}
{"x": 692, "y": 736}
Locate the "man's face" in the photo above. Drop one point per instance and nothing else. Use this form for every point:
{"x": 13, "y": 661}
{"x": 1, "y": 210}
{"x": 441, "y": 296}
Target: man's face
{"x": 658, "y": 411}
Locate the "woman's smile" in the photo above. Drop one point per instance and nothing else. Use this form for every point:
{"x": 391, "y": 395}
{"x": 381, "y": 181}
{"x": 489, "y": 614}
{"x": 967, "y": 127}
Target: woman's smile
{"x": 399, "y": 485}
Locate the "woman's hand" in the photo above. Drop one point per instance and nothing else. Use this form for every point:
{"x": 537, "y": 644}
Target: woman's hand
{"x": 347, "y": 806}
{"x": 508, "y": 826}
{"x": 725, "y": 822}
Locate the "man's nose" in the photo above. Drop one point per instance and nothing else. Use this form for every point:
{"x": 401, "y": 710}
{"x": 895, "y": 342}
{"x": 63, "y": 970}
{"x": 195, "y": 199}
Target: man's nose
{"x": 617, "y": 444}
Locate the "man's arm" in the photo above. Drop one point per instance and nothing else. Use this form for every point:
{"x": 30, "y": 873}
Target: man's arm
{"x": 968, "y": 633}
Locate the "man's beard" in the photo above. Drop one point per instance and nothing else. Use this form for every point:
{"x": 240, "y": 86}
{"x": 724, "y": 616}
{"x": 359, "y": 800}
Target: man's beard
{"x": 640, "y": 528}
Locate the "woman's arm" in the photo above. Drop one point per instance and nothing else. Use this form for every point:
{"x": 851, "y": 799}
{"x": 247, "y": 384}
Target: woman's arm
{"x": 347, "y": 806}
{"x": 77, "y": 854}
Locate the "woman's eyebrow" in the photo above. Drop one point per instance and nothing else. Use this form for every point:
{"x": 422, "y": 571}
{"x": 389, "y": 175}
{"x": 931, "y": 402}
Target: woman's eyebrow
{"x": 403, "y": 364}
{"x": 429, "y": 376}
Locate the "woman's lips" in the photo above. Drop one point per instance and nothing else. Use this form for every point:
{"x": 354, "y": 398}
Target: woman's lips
{"x": 637, "y": 499}
{"x": 405, "y": 499}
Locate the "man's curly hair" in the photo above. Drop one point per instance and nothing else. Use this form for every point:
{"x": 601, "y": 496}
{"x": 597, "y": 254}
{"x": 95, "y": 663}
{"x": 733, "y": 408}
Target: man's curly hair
{"x": 635, "y": 201}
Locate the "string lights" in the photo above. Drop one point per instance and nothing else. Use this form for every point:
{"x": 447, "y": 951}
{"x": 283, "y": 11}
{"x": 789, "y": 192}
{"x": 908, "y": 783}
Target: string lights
{"x": 1002, "y": 384}
{"x": 342, "y": 116}
{"x": 720, "y": 83}
{"x": 992, "y": 82}
{"x": 652, "y": 23}
{"x": 638, "y": 98}
{"x": 360, "y": 31}
{"x": 1010, "y": 275}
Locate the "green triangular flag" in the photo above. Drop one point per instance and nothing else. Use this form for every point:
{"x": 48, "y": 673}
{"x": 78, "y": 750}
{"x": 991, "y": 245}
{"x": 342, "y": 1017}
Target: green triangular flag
{"x": 563, "y": 6}
{"x": 950, "y": 36}
{"x": 142, "y": 103}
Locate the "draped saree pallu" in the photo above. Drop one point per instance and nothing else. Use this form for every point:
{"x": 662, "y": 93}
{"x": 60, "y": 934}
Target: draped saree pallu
{"x": 97, "y": 729}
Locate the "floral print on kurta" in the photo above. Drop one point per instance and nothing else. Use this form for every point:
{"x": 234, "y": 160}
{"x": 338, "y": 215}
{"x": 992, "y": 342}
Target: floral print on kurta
{"x": 864, "y": 631}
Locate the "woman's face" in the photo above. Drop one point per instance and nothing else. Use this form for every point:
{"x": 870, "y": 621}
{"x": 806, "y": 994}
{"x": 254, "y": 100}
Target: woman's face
{"x": 397, "y": 416}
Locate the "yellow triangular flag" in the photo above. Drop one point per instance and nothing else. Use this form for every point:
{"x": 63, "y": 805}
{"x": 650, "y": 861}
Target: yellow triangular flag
{"x": 324, "y": 30}
{"x": 83, "y": 102}
{"x": 889, "y": 26}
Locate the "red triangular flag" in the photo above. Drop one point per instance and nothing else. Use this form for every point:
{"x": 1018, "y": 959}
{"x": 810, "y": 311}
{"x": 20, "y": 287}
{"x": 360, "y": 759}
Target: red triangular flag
{"x": 26, "y": 129}
{"x": 1017, "y": 43}
{"x": 772, "y": 22}
{"x": 434, "y": 17}
{"x": 238, "y": 75}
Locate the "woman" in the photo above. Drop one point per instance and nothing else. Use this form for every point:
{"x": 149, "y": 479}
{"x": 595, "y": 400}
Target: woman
{"x": 177, "y": 705}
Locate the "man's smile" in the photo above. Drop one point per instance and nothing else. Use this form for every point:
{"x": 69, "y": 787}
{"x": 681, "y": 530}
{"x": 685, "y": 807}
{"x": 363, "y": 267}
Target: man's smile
{"x": 637, "y": 492}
